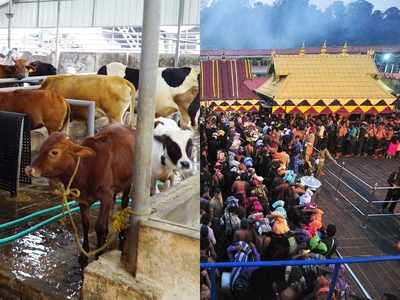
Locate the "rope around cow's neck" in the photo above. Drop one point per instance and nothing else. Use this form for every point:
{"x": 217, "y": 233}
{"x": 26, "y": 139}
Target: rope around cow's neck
{"x": 119, "y": 221}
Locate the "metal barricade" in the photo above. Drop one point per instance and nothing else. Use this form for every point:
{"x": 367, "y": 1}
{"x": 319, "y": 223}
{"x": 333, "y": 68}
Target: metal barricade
{"x": 15, "y": 150}
{"x": 370, "y": 206}
{"x": 212, "y": 267}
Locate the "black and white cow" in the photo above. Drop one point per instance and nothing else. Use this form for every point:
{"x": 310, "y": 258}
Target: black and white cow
{"x": 172, "y": 151}
{"x": 177, "y": 90}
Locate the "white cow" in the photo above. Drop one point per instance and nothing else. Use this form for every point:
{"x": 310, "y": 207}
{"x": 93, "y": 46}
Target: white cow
{"x": 172, "y": 151}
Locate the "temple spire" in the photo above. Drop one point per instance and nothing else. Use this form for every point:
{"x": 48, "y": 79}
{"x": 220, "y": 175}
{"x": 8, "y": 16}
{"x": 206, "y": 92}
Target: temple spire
{"x": 344, "y": 49}
{"x": 323, "y": 49}
{"x": 302, "y": 49}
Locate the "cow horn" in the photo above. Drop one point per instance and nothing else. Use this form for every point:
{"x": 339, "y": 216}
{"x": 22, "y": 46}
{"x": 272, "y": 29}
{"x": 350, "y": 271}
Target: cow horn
{"x": 13, "y": 59}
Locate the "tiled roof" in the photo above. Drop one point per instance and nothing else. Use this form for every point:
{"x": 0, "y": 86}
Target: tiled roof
{"x": 225, "y": 79}
{"x": 326, "y": 77}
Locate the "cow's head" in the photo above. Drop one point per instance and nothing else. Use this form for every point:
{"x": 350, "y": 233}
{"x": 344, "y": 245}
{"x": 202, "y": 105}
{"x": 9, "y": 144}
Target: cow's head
{"x": 178, "y": 147}
{"x": 22, "y": 68}
{"x": 57, "y": 157}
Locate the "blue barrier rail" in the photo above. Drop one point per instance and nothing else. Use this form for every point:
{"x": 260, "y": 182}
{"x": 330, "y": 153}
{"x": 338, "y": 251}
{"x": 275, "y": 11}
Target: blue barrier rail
{"x": 296, "y": 262}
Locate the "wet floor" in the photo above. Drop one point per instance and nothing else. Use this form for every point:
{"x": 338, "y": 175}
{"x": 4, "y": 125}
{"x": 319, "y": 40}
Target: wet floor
{"x": 46, "y": 260}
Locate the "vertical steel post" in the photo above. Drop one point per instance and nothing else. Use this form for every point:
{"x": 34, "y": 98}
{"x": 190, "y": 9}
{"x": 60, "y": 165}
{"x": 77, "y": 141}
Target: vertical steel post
{"x": 140, "y": 192}
{"x": 213, "y": 285}
{"x": 333, "y": 281}
{"x": 178, "y": 37}
{"x": 339, "y": 182}
{"x": 9, "y": 15}
{"x": 93, "y": 12}
{"x": 369, "y": 206}
{"x": 38, "y": 13}
{"x": 57, "y": 32}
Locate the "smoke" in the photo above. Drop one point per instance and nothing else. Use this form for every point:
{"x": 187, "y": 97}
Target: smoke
{"x": 255, "y": 24}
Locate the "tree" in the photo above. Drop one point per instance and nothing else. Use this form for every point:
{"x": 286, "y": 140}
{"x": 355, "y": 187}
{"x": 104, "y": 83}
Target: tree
{"x": 245, "y": 24}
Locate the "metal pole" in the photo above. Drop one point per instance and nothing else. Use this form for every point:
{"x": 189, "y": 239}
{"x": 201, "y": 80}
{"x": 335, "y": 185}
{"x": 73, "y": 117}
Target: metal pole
{"x": 144, "y": 133}
{"x": 93, "y": 12}
{"x": 333, "y": 281}
{"x": 339, "y": 181}
{"x": 178, "y": 38}
{"x": 37, "y": 13}
{"x": 213, "y": 285}
{"x": 9, "y": 15}
{"x": 370, "y": 204}
{"x": 57, "y": 30}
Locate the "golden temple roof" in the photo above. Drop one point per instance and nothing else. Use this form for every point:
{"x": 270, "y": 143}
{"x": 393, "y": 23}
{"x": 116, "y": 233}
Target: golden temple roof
{"x": 326, "y": 77}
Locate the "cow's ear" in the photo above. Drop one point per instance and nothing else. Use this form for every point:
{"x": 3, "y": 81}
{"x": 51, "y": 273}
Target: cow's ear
{"x": 161, "y": 138}
{"x": 157, "y": 122}
{"x": 83, "y": 151}
{"x": 31, "y": 69}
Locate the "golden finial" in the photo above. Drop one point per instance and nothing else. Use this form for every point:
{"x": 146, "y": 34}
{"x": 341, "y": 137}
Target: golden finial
{"x": 344, "y": 49}
{"x": 371, "y": 52}
{"x": 323, "y": 49}
{"x": 302, "y": 49}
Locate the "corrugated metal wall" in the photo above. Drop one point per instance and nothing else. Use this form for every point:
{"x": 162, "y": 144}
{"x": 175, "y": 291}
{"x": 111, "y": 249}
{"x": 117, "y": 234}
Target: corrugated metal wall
{"x": 97, "y": 13}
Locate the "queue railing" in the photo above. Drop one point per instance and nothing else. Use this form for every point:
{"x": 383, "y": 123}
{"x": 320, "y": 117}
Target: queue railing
{"x": 213, "y": 267}
{"x": 369, "y": 209}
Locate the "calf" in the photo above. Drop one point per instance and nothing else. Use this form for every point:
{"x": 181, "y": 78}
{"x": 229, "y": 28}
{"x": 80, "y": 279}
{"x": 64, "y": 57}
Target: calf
{"x": 104, "y": 170}
{"x": 177, "y": 89}
{"x": 19, "y": 70}
{"x": 44, "y": 108}
{"x": 112, "y": 94}
{"x": 42, "y": 69}
{"x": 172, "y": 151}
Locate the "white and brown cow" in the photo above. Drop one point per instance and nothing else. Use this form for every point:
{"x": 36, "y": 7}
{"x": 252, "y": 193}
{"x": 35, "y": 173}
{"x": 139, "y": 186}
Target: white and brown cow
{"x": 177, "y": 90}
{"x": 112, "y": 94}
{"x": 172, "y": 151}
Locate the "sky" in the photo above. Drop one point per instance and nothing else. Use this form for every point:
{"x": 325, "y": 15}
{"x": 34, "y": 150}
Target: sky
{"x": 379, "y": 4}
{"x": 276, "y": 28}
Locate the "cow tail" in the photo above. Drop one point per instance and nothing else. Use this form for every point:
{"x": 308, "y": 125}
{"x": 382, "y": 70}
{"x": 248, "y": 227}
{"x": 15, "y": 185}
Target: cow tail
{"x": 65, "y": 126}
{"x": 132, "y": 103}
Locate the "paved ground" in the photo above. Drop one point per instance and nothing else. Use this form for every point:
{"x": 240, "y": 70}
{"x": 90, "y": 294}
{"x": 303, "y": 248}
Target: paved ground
{"x": 345, "y": 209}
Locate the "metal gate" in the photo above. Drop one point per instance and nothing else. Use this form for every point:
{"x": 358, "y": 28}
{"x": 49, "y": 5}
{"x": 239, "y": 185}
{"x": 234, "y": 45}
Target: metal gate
{"x": 15, "y": 150}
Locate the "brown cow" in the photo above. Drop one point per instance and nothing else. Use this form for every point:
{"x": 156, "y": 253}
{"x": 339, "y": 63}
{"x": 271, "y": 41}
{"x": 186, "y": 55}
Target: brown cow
{"x": 112, "y": 94}
{"x": 105, "y": 169}
{"x": 44, "y": 108}
{"x": 19, "y": 70}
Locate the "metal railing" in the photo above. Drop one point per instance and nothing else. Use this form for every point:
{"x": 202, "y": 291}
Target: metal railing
{"x": 90, "y": 105}
{"x": 212, "y": 267}
{"x": 367, "y": 199}
{"x": 123, "y": 39}
{"x": 34, "y": 79}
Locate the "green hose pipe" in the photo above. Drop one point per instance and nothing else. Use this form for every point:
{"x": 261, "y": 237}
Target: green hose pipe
{"x": 44, "y": 223}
